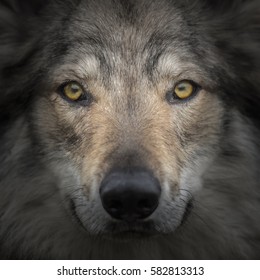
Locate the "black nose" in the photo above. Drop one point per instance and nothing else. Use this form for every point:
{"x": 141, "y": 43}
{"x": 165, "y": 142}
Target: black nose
{"x": 131, "y": 195}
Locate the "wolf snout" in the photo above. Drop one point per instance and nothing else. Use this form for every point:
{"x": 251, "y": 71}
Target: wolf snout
{"x": 130, "y": 195}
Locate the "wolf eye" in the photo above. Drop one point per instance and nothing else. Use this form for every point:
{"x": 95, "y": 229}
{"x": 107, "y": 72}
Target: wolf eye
{"x": 73, "y": 91}
{"x": 183, "y": 90}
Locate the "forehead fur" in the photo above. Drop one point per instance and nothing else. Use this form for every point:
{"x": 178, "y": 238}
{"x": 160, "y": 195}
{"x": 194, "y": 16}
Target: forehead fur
{"x": 222, "y": 39}
{"x": 132, "y": 39}
{"x": 132, "y": 29}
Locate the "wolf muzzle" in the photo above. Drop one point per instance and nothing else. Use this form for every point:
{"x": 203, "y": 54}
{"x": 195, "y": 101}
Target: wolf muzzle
{"x": 130, "y": 195}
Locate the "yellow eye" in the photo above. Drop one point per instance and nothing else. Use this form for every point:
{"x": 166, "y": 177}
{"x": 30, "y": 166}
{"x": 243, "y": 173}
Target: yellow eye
{"x": 73, "y": 91}
{"x": 184, "y": 89}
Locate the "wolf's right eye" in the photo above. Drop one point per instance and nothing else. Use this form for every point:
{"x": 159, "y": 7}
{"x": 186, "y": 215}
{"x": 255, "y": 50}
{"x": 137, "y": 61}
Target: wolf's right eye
{"x": 74, "y": 92}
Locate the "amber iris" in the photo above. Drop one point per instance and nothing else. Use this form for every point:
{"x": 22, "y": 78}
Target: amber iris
{"x": 184, "y": 89}
{"x": 73, "y": 91}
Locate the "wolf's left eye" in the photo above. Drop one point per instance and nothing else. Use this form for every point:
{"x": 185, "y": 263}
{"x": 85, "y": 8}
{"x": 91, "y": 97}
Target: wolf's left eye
{"x": 183, "y": 90}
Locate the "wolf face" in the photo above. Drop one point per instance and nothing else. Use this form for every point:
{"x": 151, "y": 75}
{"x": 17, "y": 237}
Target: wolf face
{"x": 130, "y": 128}
{"x": 135, "y": 113}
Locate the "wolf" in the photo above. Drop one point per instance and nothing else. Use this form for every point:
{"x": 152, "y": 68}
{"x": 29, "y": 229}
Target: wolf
{"x": 129, "y": 129}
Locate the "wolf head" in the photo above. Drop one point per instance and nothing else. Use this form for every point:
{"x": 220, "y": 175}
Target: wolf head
{"x": 131, "y": 102}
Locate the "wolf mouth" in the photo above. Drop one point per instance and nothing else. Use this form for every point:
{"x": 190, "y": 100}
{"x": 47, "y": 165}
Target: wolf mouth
{"x": 129, "y": 231}
{"x": 123, "y": 230}
{"x": 118, "y": 228}
{"x": 145, "y": 227}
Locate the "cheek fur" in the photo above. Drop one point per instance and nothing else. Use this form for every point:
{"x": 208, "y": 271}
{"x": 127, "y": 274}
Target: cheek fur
{"x": 199, "y": 122}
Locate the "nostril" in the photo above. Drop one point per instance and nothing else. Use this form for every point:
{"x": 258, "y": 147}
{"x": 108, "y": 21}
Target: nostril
{"x": 115, "y": 205}
{"x": 145, "y": 206}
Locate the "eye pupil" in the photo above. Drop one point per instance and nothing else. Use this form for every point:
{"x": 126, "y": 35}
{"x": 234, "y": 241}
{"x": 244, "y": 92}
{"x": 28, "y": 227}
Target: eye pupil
{"x": 74, "y": 88}
{"x": 182, "y": 87}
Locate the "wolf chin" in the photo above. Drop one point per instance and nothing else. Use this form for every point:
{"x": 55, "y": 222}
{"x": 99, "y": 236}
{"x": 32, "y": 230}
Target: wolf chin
{"x": 129, "y": 129}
